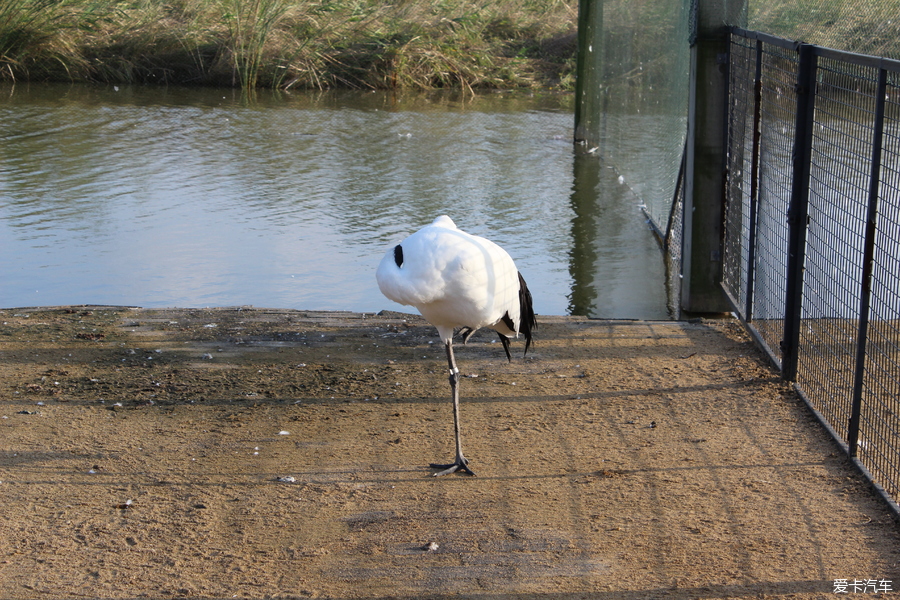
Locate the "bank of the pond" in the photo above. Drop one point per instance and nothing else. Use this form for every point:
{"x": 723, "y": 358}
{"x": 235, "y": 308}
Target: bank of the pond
{"x": 283, "y": 44}
{"x": 251, "y": 453}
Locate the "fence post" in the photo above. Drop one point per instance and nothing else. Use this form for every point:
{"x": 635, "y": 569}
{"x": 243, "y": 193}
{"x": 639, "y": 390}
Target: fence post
{"x": 865, "y": 295}
{"x": 798, "y": 212}
{"x": 589, "y": 67}
{"x": 705, "y": 181}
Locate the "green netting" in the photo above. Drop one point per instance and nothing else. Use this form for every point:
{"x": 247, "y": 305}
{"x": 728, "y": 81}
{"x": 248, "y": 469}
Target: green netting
{"x": 862, "y": 26}
{"x": 636, "y": 117}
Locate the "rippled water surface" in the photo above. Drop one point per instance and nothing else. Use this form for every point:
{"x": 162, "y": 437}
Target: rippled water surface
{"x": 168, "y": 197}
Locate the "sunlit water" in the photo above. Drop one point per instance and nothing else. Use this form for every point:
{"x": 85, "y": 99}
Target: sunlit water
{"x": 169, "y": 197}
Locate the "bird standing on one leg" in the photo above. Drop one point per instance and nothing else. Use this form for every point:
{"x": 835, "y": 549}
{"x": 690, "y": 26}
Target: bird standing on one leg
{"x": 458, "y": 280}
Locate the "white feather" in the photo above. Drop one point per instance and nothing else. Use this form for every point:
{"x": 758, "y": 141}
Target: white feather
{"x": 454, "y": 279}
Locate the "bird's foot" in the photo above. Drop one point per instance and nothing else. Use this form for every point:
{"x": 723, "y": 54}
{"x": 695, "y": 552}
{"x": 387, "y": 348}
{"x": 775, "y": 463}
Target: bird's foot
{"x": 461, "y": 464}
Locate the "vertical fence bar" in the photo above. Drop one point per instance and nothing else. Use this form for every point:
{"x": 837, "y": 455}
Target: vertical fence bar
{"x": 868, "y": 260}
{"x": 754, "y": 180}
{"x": 589, "y": 59}
{"x": 798, "y": 212}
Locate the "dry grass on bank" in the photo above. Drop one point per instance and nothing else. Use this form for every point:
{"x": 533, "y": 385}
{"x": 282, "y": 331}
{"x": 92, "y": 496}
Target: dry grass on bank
{"x": 285, "y": 44}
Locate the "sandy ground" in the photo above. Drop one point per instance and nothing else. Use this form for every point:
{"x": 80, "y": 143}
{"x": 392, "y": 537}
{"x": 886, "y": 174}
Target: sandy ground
{"x": 249, "y": 453}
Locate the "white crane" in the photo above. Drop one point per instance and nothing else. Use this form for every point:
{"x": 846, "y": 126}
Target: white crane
{"x": 458, "y": 280}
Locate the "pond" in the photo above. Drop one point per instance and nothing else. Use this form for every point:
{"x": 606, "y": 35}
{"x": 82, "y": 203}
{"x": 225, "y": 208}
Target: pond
{"x": 164, "y": 197}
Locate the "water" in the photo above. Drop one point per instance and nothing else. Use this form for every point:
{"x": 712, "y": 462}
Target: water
{"x": 183, "y": 197}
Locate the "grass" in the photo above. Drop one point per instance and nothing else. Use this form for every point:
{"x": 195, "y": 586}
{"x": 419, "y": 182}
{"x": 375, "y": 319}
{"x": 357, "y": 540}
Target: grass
{"x": 864, "y": 26}
{"x": 38, "y": 24}
{"x": 319, "y": 44}
{"x": 379, "y": 44}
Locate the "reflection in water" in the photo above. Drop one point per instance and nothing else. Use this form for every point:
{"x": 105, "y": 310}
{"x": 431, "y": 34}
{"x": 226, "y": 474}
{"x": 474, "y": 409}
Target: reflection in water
{"x": 617, "y": 268}
{"x": 583, "y": 255}
{"x": 170, "y": 197}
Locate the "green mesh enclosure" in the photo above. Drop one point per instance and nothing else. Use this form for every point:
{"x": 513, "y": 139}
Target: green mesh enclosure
{"x": 639, "y": 96}
{"x": 640, "y": 89}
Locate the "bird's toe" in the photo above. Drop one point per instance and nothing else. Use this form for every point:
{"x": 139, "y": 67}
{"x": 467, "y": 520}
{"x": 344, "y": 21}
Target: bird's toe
{"x": 461, "y": 465}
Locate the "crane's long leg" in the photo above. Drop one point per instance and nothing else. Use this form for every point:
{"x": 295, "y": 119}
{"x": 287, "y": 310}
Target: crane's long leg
{"x": 461, "y": 463}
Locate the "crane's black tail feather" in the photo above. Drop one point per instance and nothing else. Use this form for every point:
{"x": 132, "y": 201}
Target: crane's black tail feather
{"x": 527, "y": 321}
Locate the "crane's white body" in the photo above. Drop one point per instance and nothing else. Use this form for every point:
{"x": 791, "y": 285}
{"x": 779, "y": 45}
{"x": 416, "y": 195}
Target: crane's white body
{"x": 454, "y": 279}
{"x": 458, "y": 280}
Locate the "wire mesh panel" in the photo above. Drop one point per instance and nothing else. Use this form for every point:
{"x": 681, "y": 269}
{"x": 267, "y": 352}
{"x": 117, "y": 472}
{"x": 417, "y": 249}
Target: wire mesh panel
{"x": 777, "y": 108}
{"x": 673, "y": 243}
{"x": 642, "y": 95}
{"x": 838, "y": 200}
{"x": 740, "y": 175}
{"x": 879, "y": 436}
{"x": 848, "y": 216}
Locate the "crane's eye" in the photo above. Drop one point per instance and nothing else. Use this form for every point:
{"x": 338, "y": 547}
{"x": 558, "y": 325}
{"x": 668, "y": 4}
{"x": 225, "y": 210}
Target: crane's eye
{"x": 398, "y": 255}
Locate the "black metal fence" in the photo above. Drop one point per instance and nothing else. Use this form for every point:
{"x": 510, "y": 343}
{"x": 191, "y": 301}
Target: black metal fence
{"x": 812, "y": 231}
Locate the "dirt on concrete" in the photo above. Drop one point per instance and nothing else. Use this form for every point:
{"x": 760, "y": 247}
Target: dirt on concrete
{"x": 250, "y": 453}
